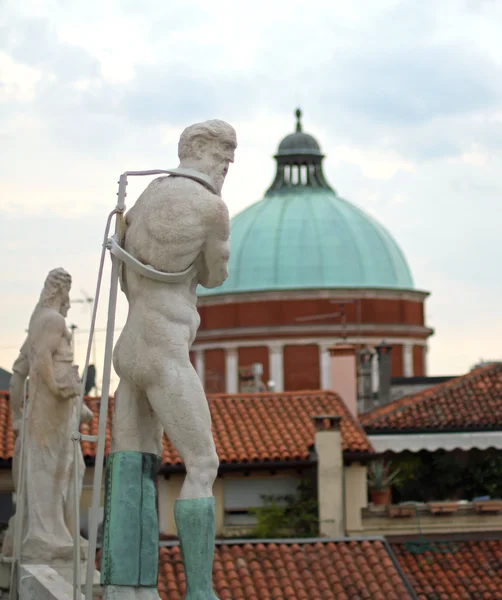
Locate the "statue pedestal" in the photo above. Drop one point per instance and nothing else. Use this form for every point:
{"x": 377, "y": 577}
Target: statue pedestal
{"x": 66, "y": 572}
{"x": 64, "y": 569}
{"x": 119, "y": 592}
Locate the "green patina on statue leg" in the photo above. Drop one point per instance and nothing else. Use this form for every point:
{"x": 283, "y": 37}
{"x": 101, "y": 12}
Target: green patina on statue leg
{"x": 195, "y": 522}
{"x": 130, "y": 553}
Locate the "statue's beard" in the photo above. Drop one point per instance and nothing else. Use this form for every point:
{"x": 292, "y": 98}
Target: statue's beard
{"x": 219, "y": 180}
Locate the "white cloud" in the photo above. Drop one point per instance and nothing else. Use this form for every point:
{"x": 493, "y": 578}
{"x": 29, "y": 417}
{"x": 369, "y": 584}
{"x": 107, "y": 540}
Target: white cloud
{"x": 405, "y": 99}
{"x": 478, "y": 159}
{"x": 374, "y": 165}
{"x": 17, "y": 81}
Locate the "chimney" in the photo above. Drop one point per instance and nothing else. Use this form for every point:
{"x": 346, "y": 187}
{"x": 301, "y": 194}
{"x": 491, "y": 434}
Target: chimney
{"x": 365, "y": 379}
{"x": 250, "y": 379}
{"x": 344, "y": 374}
{"x": 383, "y": 351}
{"x": 330, "y": 488}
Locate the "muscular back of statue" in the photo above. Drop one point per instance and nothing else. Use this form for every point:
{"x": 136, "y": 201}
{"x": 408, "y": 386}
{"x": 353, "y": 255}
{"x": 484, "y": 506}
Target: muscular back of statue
{"x": 177, "y": 222}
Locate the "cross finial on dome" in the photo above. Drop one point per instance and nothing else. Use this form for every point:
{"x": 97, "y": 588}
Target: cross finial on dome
{"x": 298, "y": 119}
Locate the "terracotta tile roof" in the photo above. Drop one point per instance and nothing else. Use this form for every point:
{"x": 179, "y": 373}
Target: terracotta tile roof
{"x": 323, "y": 570}
{"x": 247, "y": 428}
{"x": 6, "y": 432}
{"x": 472, "y": 401}
{"x": 88, "y": 448}
{"x": 453, "y": 570}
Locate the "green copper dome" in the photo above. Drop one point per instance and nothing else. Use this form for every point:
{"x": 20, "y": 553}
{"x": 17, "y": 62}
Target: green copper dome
{"x": 302, "y": 235}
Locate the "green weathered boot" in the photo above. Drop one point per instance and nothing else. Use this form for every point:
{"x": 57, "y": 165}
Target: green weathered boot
{"x": 195, "y": 522}
{"x": 130, "y": 552}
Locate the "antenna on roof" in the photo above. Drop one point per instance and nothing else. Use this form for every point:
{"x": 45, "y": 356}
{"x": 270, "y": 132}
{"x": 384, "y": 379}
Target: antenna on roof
{"x": 87, "y": 299}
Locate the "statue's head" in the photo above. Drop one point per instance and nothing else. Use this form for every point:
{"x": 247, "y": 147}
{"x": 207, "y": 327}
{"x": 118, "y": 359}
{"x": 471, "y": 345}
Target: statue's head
{"x": 56, "y": 291}
{"x": 209, "y": 147}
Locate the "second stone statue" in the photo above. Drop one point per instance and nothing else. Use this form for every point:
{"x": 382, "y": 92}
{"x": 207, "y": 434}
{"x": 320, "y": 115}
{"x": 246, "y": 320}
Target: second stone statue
{"x": 54, "y": 388}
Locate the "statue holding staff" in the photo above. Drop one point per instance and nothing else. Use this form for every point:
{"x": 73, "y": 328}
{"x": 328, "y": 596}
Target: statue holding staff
{"x": 179, "y": 225}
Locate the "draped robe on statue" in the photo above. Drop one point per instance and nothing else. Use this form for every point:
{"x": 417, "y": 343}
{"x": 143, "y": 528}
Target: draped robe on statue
{"x": 49, "y": 464}
{"x": 49, "y": 484}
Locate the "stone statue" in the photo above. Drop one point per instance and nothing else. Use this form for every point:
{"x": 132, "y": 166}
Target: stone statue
{"x": 178, "y": 224}
{"x": 54, "y": 388}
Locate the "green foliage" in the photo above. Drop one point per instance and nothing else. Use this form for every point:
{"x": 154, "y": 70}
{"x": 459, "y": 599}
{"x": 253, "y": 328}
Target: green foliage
{"x": 380, "y": 476}
{"x": 290, "y": 515}
{"x": 485, "y": 474}
{"x": 444, "y": 475}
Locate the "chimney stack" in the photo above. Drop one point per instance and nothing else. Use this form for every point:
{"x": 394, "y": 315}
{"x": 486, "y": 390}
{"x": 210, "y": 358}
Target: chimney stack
{"x": 365, "y": 379}
{"x": 344, "y": 374}
{"x": 330, "y": 488}
{"x": 250, "y": 379}
{"x": 384, "y": 358}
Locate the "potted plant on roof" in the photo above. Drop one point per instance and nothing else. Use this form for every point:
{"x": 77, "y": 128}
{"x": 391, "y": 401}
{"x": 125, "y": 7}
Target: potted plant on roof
{"x": 380, "y": 479}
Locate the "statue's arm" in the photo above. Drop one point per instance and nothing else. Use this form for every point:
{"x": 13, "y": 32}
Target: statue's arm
{"x": 43, "y": 347}
{"x": 216, "y": 250}
{"x": 20, "y": 372}
{"x": 86, "y": 414}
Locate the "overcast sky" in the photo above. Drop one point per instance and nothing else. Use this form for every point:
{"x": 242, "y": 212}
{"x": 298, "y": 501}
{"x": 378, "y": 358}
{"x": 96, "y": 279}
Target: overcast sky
{"x": 405, "y": 98}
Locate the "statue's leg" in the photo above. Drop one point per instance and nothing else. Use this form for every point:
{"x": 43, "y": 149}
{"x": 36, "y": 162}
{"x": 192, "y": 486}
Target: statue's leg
{"x": 129, "y": 560}
{"x": 130, "y": 551}
{"x": 135, "y": 426}
{"x": 195, "y": 522}
{"x": 182, "y": 407}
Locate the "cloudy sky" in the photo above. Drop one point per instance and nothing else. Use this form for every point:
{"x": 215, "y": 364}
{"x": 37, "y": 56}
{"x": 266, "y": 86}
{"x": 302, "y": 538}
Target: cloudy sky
{"x": 405, "y": 98}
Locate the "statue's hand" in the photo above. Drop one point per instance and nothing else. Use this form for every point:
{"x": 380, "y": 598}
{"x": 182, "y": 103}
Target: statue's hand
{"x": 70, "y": 386}
{"x": 16, "y": 426}
{"x": 68, "y": 392}
{"x": 86, "y": 414}
{"x": 202, "y": 271}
